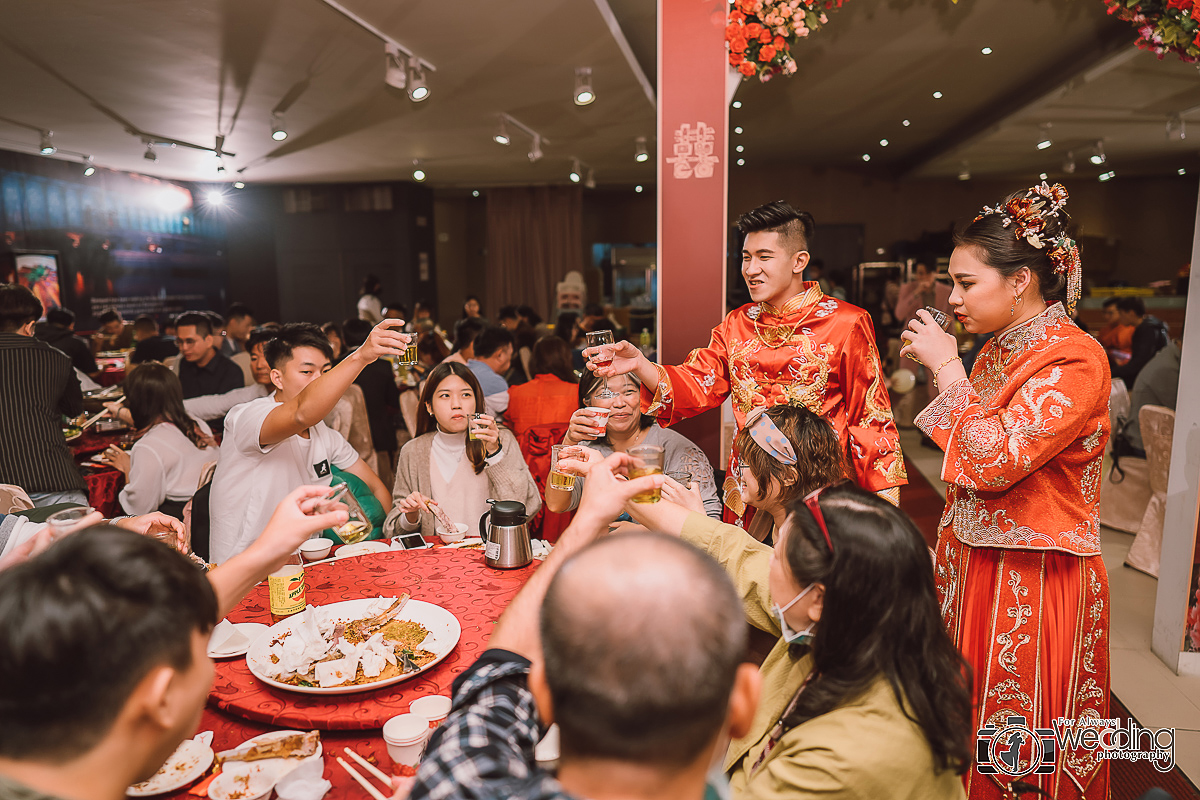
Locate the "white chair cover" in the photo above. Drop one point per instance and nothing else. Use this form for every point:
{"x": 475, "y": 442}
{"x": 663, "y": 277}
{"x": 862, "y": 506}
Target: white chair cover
{"x": 1158, "y": 428}
{"x": 13, "y": 499}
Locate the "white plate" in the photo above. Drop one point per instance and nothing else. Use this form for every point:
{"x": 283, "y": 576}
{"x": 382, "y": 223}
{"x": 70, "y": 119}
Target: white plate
{"x": 443, "y": 627}
{"x": 251, "y": 630}
{"x": 475, "y": 541}
{"x": 243, "y": 780}
{"x": 362, "y": 549}
{"x": 189, "y": 761}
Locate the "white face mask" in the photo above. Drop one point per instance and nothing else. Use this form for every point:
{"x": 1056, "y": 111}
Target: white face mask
{"x": 790, "y": 636}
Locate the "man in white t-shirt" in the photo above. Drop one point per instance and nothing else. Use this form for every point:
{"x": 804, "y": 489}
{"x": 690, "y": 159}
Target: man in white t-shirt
{"x": 276, "y": 443}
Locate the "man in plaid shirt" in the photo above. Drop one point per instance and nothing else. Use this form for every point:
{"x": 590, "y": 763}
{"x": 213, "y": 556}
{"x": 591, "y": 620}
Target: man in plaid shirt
{"x": 631, "y": 644}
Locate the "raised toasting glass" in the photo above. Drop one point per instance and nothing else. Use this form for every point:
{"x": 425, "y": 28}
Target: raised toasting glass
{"x": 560, "y": 478}
{"x": 358, "y": 527}
{"x": 474, "y": 423}
{"x": 940, "y": 317}
{"x": 647, "y": 460}
{"x": 597, "y": 339}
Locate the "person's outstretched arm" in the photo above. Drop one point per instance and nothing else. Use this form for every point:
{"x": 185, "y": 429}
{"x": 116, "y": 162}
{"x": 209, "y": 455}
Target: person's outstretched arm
{"x": 317, "y": 399}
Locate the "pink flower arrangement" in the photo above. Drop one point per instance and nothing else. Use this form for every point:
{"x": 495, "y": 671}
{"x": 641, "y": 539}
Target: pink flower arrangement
{"x": 1163, "y": 26}
{"x": 760, "y": 33}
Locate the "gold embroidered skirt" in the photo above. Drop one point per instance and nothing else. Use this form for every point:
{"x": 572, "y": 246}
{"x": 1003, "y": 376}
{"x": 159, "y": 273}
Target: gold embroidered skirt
{"x": 1033, "y": 625}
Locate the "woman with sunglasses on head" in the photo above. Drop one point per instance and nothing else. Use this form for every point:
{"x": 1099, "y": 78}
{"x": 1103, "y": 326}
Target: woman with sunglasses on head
{"x": 864, "y": 695}
{"x": 1023, "y": 588}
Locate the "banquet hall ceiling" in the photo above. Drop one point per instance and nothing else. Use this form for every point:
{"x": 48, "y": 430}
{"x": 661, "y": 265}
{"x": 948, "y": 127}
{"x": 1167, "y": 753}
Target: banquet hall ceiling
{"x": 89, "y": 69}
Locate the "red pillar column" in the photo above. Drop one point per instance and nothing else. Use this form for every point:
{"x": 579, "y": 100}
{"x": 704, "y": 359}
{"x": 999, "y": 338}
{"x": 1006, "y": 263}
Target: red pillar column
{"x": 693, "y": 186}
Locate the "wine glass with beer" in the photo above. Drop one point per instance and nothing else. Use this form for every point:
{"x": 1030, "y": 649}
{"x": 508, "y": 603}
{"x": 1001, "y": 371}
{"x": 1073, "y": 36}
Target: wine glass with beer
{"x": 358, "y": 526}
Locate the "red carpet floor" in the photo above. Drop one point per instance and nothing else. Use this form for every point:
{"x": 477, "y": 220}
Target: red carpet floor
{"x": 1129, "y": 779}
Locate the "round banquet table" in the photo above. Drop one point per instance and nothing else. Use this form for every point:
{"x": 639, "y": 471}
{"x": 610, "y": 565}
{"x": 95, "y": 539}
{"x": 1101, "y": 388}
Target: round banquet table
{"x": 104, "y": 484}
{"x": 240, "y": 706}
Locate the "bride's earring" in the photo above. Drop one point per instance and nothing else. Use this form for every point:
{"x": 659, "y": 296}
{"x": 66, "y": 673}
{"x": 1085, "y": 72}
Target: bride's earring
{"x": 1012, "y": 312}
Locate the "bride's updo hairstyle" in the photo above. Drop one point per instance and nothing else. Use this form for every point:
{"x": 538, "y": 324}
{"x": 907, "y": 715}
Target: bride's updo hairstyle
{"x": 1025, "y": 231}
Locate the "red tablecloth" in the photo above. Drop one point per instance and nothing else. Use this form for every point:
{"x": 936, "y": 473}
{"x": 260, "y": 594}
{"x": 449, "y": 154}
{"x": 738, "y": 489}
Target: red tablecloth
{"x": 110, "y": 377}
{"x": 456, "y": 580}
{"x": 104, "y": 484}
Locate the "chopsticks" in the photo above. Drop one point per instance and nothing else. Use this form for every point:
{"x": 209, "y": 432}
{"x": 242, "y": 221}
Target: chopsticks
{"x": 363, "y": 782}
{"x": 88, "y": 423}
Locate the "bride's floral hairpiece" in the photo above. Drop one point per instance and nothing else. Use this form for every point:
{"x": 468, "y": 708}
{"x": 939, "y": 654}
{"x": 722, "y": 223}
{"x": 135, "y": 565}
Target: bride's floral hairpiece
{"x": 1028, "y": 215}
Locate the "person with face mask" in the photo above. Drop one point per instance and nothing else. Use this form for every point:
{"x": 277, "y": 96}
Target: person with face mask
{"x": 864, "y": 694}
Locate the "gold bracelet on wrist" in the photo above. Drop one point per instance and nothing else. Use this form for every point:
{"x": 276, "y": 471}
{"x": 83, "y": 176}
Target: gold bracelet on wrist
{"x": 938, "y": 371}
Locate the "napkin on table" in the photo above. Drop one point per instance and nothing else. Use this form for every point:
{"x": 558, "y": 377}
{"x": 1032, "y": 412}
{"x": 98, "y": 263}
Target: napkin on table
{"x": 226, "y": 637}
{"x": 304, "y": 782}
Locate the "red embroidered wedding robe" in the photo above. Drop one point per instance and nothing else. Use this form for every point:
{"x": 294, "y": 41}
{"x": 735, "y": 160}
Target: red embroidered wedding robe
{"x": 818, "y": 352}
{"x": 1023, "y": 590}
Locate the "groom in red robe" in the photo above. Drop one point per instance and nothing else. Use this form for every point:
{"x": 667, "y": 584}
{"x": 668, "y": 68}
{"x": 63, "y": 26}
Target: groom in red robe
{"x": 793, "y": 345}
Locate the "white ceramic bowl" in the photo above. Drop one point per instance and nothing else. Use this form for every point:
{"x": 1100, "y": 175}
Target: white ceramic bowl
{"x": 457, "y": 536}
{"x": 316, "y": 549}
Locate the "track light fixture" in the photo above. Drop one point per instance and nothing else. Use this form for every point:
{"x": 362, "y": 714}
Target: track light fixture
{"x": 576, "y": 171}
{"x": 584, "y": 94}
{"x": 395, "y": 69}
{"x": 964, "y": 171}
{"x": 1176, "y": 127}
{"x": 89, "y": 169}
{"x": 535, "y": 149}
{"x": 1105, "y": 177}
{"x": 47, "y": 147}
{"x": 278, "y": 132}
{"x": 150, "y": 155}
{"x": 590, "y": 181}
{"x": 1069, "y": 163}
{"x": 640, "y": 154}
{"x": 418, "y": 173}
{"x": 239, "y": 185}
{"x": 501, "y": 135}
{"x": 417, "y": 90}
{"x": 1044, "y": 140}
{"x": 1098, "y": 157}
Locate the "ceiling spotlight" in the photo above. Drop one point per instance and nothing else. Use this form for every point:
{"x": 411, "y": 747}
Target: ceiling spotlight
{"x": 937, "y": 95}
{"x": 1042, "y": 176}
{"x": 417, "y": 90}
{"x": 395, "y": 72}
{"x": 738, "y": 129}
{"x": 905, "y": 123}
{"x": 1044, "y": 140}
{"x": 47, "y": 147}
{"x": 584, "y": 94}
{"x": 1107, "y": 176}
{"x": 1175, "y": 125}
{"x": 737, "y": 103}
{"x": 277, "y": 131}
{"x": 883, "y": 142}
{"x": 501, "y": 134}
{"x": 239, "y": 185}
{"x": 1181, "y": 171}
{"x": 1097, "y": 157}
{"x": 150, "y": 155}
{"x": 1068, "y": 164}
{"x": 575, "y": 175}
{"x": 739, "y": 148}
{"x": 214, "y": 197}
{"x": 640, "y": 153}
{"x": 535, "y": 149}
{"x": 89, "y": 169}
{"x": 987, "y": 51}
{"x": 418, "y": 173}
{"x": 741, "y": 162}
{"x": 590, "y": 180}
{"x": 964, "y": 172}
{"x": 866, "y": 156}
{"x": 638, "y": 188}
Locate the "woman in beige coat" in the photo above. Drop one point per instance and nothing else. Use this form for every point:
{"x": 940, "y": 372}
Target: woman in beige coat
{"x": 864, "y": 695}
{"x": 447, "y": 466}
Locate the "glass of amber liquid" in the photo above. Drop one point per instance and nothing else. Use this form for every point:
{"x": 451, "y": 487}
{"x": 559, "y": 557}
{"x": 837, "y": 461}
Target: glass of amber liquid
{"x": 940, "y": 317}
{"x": 474, "y": 423}
{"x": 597, "y": 339}
{"x": 409, "y": 358}
{"x": 560, "y": 478}
{"x": 358, "y": 527}
{"x": 647, "y": 460}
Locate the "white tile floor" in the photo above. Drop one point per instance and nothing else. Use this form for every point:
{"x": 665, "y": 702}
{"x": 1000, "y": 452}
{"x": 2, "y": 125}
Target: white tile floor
{"x": 1155, "y": 695}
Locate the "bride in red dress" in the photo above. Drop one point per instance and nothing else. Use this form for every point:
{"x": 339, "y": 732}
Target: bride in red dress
{"x": 1023, "y": 589}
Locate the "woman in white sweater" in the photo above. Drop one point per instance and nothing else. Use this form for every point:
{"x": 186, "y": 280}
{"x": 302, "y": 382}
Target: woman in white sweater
{"x": 163, "y": 469}
{"x": 443, "y": 465}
